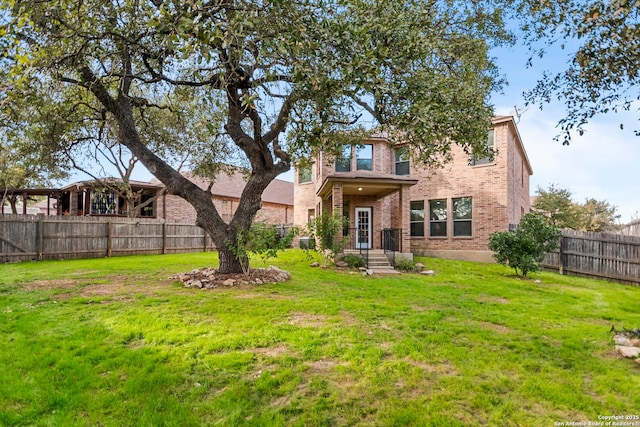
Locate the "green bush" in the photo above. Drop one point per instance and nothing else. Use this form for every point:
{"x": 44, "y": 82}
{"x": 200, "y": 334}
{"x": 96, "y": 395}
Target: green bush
{"x": 406, "y": 264}
{"x": 353, "y": 260}
{"x": 524, "y": 248}
{"x": 326, "y": 231}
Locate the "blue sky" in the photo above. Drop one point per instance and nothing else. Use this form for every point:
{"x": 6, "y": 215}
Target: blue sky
{"x": 601, "y": 164}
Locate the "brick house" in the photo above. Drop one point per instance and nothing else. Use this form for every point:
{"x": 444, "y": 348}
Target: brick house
{"x": 449, "y": 212}
{"x": 277, "y": 200}
{"x": 92, "y": 198}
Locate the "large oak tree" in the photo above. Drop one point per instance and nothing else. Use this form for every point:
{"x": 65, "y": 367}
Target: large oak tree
{"x": 280, "y": 79}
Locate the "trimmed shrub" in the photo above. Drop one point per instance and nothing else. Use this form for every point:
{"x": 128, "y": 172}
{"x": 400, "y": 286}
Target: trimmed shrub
{"x": 524, "y": 248}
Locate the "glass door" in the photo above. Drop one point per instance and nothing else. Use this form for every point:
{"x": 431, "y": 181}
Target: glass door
{"x": 363, "y": 228}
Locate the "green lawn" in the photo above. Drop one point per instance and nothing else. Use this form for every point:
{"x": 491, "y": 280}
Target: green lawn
{"x": 115, "y": 342}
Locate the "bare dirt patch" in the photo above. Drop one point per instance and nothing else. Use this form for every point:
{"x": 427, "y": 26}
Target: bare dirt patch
{"x": 40, "y": 285}
{"x": 277, "y": 351}
{"x": 308, "y": 320}
{"x": 495, "y": 300}
{"x": 111, "y": 288}
{"x": 440, "y": 368}
{"x": 320, "y": 366}
{"x": 495, "y": 327}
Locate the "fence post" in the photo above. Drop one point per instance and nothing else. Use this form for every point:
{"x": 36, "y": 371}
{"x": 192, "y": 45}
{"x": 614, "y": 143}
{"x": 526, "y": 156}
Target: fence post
{"x": 560, "y": 256}
{"x": 40, "y": 238}
{"x": 204, "y": 240}
{"x": 164, "y": 237}
{"x": 109, "y": 235}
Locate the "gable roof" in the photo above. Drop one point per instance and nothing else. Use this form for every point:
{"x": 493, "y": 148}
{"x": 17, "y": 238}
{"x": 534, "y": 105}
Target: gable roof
{"x": 511, "y": 122}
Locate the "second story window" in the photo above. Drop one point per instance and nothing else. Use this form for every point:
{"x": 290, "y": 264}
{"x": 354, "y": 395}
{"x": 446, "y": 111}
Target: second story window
{"x": 304, "y": 174}
{"x": 479, "y": 160}
{"x": 402, "y": 161}
{"x": 364, "y": 157}
{"x": 343, "y": 162}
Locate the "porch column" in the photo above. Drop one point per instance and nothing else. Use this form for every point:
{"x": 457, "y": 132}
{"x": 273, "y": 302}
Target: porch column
{"x": 405, "y": 217}
{"x": 337, "y": 197}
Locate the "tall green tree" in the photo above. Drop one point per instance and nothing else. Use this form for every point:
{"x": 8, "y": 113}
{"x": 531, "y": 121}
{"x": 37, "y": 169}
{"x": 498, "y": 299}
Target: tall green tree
{"x": 598, "y": 215}
{"x": 556, "y": 204}
{"x": 21, "y": 167}
{"x": 601, "y": 39}
{"x": 287, "y": 78}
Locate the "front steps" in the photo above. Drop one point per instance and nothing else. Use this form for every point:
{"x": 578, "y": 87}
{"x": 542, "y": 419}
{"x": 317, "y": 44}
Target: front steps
{"x": 378, "y": 261}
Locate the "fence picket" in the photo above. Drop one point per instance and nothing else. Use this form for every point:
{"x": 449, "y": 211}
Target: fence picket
{"x": 36, "y": 237}
{"x": 599, "y": 255}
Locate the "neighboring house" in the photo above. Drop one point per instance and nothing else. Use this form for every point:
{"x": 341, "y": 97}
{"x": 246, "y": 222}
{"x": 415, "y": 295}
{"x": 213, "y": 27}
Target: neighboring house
{"x": 94, "y": 199}
{"x": 449, "y": 212}
{"x": 277, "y": 200}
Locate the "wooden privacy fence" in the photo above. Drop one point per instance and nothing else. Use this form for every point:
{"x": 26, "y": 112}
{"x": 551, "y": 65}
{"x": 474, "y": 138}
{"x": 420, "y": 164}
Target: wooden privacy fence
{"x": 37, "y": 237}
{"x": 599, "y": 255}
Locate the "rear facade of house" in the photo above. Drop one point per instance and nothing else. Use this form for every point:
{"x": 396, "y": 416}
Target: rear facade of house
{"x": 392, "y": 203}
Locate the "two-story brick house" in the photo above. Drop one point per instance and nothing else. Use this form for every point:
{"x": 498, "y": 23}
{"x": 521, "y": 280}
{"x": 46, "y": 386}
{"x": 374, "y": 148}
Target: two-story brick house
{"x": 449, "y": 212}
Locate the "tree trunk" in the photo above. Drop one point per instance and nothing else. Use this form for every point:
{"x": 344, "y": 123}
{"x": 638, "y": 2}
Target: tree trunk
{"x": 13, "y": 201}
{"x": 229, "y": 263}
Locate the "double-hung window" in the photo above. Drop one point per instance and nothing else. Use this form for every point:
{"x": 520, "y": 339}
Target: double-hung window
{"x": 402, "y": 160}
{"x": 304, "y": 174}
{"x": 343, "y": 162}
{"x": 364, "y": 157}
{"x": 483, "y": 160}
{"x": 417, "y": 218}
{"x": 438, "y": 218}
{"x": 462, "y": 216}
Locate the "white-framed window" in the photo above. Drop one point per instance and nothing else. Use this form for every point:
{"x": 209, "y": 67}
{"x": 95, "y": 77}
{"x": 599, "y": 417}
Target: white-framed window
{"x": 104, "y": 202}
{"x": 462, "y": 216}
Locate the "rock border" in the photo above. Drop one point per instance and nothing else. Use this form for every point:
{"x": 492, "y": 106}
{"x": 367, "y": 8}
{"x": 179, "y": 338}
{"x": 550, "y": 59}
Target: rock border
{"x": 210, "y": 278}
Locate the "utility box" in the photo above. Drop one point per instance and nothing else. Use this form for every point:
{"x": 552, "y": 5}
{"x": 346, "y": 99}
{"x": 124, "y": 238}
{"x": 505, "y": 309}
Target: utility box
{"x": 307, "y": 243}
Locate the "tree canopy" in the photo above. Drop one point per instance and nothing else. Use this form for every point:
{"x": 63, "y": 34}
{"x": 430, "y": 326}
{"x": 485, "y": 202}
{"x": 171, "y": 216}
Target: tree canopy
{"x": 278, "y": 80}
{"x": 557, "y": 205}
{"x": 602, "y": 41}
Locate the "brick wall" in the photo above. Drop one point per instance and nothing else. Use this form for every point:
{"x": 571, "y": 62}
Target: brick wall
{"x": 499, "y": 191}
{"x": 176, "y": 208}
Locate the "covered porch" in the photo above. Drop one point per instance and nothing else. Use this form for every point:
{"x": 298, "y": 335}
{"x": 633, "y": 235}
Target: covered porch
{"x": 376, "y": 206}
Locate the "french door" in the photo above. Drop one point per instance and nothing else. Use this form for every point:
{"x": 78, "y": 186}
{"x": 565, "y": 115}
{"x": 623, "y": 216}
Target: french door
{"x": 363, "y": 228}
